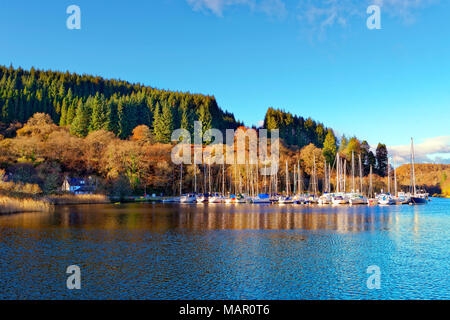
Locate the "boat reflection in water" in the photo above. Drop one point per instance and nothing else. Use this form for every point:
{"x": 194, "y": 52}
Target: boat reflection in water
{"x": 164, "y": 217}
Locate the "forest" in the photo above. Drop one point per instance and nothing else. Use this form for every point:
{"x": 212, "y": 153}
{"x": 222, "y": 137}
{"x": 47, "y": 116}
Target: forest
{"x": 54, "y": 125}
{"x": 87, "y": 103}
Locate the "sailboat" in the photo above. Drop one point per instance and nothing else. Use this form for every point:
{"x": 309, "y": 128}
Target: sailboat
{"x": 261, "y": 198}
{"x": 385, "y": 199}
{"x": 357, "y": 198}
{"x": 286, "y": 199}
{"x": 416, "y": 198}
{"x": 339, "y": 197}
{"x": 185, "y": 198}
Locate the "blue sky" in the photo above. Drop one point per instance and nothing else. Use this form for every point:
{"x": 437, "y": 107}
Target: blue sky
{"x": 312, "y": 58}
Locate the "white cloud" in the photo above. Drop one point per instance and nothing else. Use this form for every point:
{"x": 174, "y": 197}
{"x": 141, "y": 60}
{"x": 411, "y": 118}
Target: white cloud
{"x": 323, "y": 14}
{"x": 434, "y": 150}
{"x": 260, "y": 124}
{"x": 272, "y": 8}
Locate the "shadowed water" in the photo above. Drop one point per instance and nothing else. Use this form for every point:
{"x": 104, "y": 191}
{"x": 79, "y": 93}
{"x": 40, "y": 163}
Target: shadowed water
{"x": 169, "y": 251}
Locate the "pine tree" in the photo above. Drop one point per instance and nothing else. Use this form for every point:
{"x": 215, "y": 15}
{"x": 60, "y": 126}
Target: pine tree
{"x": 80, "y": 125}
{"x": 99, "y": 114}
{"x": 382, "y": 159}
{"x": 163, "y": 124}
{"x": 71, "y": 112}
{"x": 63, "y": 119}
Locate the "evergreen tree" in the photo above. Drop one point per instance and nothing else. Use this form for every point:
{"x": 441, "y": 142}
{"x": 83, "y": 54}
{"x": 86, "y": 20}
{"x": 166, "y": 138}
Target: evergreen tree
{"x": 382, "y": 160}
{"x": 63, "y": 119}
{"x": 71, "y": 112}
{"x": 99, "y": 114}
{"x": 80, "y": 125}
{"x": 164, "y": 125}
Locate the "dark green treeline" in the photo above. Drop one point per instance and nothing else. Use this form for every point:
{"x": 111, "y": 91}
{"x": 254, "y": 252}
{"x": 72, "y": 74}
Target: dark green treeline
{"x": 89, "y": 103}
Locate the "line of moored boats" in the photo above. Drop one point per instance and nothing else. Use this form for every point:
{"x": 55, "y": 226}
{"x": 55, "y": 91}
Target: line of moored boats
{"x": 326, "y": 199}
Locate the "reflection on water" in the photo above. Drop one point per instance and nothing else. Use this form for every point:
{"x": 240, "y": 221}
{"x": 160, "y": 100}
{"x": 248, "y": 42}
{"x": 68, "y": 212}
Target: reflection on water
{"x": 158, "y": 251}
{"x": 163, "y": 217}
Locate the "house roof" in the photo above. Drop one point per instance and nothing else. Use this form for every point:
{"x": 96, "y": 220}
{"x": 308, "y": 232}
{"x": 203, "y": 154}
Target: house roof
{"x": 76, "y": 182}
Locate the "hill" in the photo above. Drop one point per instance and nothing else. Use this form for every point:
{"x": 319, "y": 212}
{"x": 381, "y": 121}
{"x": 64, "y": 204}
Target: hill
{"x": 90, "y": 103}
{"x": 435, "y": 178}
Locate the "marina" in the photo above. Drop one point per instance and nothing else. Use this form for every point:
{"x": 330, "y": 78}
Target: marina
{"x": 246, "y": 187}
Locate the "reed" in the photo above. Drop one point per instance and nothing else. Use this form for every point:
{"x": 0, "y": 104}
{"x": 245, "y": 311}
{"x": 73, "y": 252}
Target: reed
{"x": 10, "y": 205}
{"x": 78, "y": 199}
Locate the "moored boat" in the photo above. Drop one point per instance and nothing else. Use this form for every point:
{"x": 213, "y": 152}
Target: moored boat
{"x": 188, "y": 198}
{"x": 357, "y": 200}
{"x": 339, "y": 200}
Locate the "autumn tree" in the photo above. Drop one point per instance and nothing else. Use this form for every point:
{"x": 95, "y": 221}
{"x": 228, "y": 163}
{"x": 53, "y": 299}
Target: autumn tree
{"x": 329, "y": 147}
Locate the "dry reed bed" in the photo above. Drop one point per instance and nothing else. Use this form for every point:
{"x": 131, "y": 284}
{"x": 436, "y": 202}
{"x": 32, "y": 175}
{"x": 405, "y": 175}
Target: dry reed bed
{"x": 10, "y": 205}
{"x": 79, "y": 199}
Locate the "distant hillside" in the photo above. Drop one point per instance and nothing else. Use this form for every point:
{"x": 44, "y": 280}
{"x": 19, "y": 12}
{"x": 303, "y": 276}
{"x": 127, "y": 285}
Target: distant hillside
{"x": 97, "y": 103}
{"x": 434, "y": 177}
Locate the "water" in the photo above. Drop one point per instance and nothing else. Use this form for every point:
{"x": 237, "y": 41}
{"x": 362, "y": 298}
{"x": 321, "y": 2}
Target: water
{"x": 168, "y": 251}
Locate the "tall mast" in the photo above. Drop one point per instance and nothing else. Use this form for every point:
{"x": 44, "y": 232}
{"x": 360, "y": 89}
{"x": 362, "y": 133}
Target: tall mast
{"x": 329, "y": 177}
{"x": 252, "y": 181}
{"x": 240, "y": 181}
{"x": 209, "y": 175}
{"x": 195, "y": 177}
{"x": 287, "y": 179}
{"x": 395, "y": 179}
{"x": 338, "y": 181}
{"x": 299, "y": 178}
{"x": 265, "y": 181}
{"x": 205, "y": 190}
{"x": 345, "y": 174}
{"x": 181, "y": 179}
{"x": 235, "y": 177}
{"x": 223, "y": 178}
{"x": 353, "y": 172}
{"x": 257, "y": 177}
{"x": 315, "y": 175}
{"x": 295, "y": 177}
{"x": 412, "y": 165}
{"x": 231, "y": 180}
{"x": 389, "y": 176}
{"x": 360, "y": 175}
{"x": 248, "y": 181}
{"x": 370, "y": 185}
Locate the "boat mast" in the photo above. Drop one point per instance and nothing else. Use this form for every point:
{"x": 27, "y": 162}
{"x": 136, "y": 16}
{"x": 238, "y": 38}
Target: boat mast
{"x": 181, "y": 179}
{"x": 353, "y": 172}
{"x": 389, "y": 176}
{"x": 209, "y": 175}
{"x": 223, "y": 179}
{"x": 295, "y": 179}
{"x": 287, "y": 179}
{"x": 345, "y": 173}
{"x": 195, "y": 177}
{"x": 395, "y": 179}
{"x": 370, "y": 185}
{"x": 329, "y": 177}
{"x": 257, "y": 177}
{"x": 412, "y": 165}
{"x": 265, "y": 180}
{"x": 360, "y": 175}
{"x": 337, "y": 173}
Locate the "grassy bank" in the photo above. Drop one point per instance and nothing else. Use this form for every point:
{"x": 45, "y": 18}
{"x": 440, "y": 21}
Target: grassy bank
{"x": 10, "y": 205}
{"x": 78, "y": 199}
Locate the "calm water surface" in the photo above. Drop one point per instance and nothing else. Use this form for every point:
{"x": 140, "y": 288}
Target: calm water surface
{"x": 168, "y": 251}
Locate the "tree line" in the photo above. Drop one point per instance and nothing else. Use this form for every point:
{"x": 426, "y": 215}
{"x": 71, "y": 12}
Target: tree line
{"x": 86, "y": 104}
{"x": 298, "y": 132}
